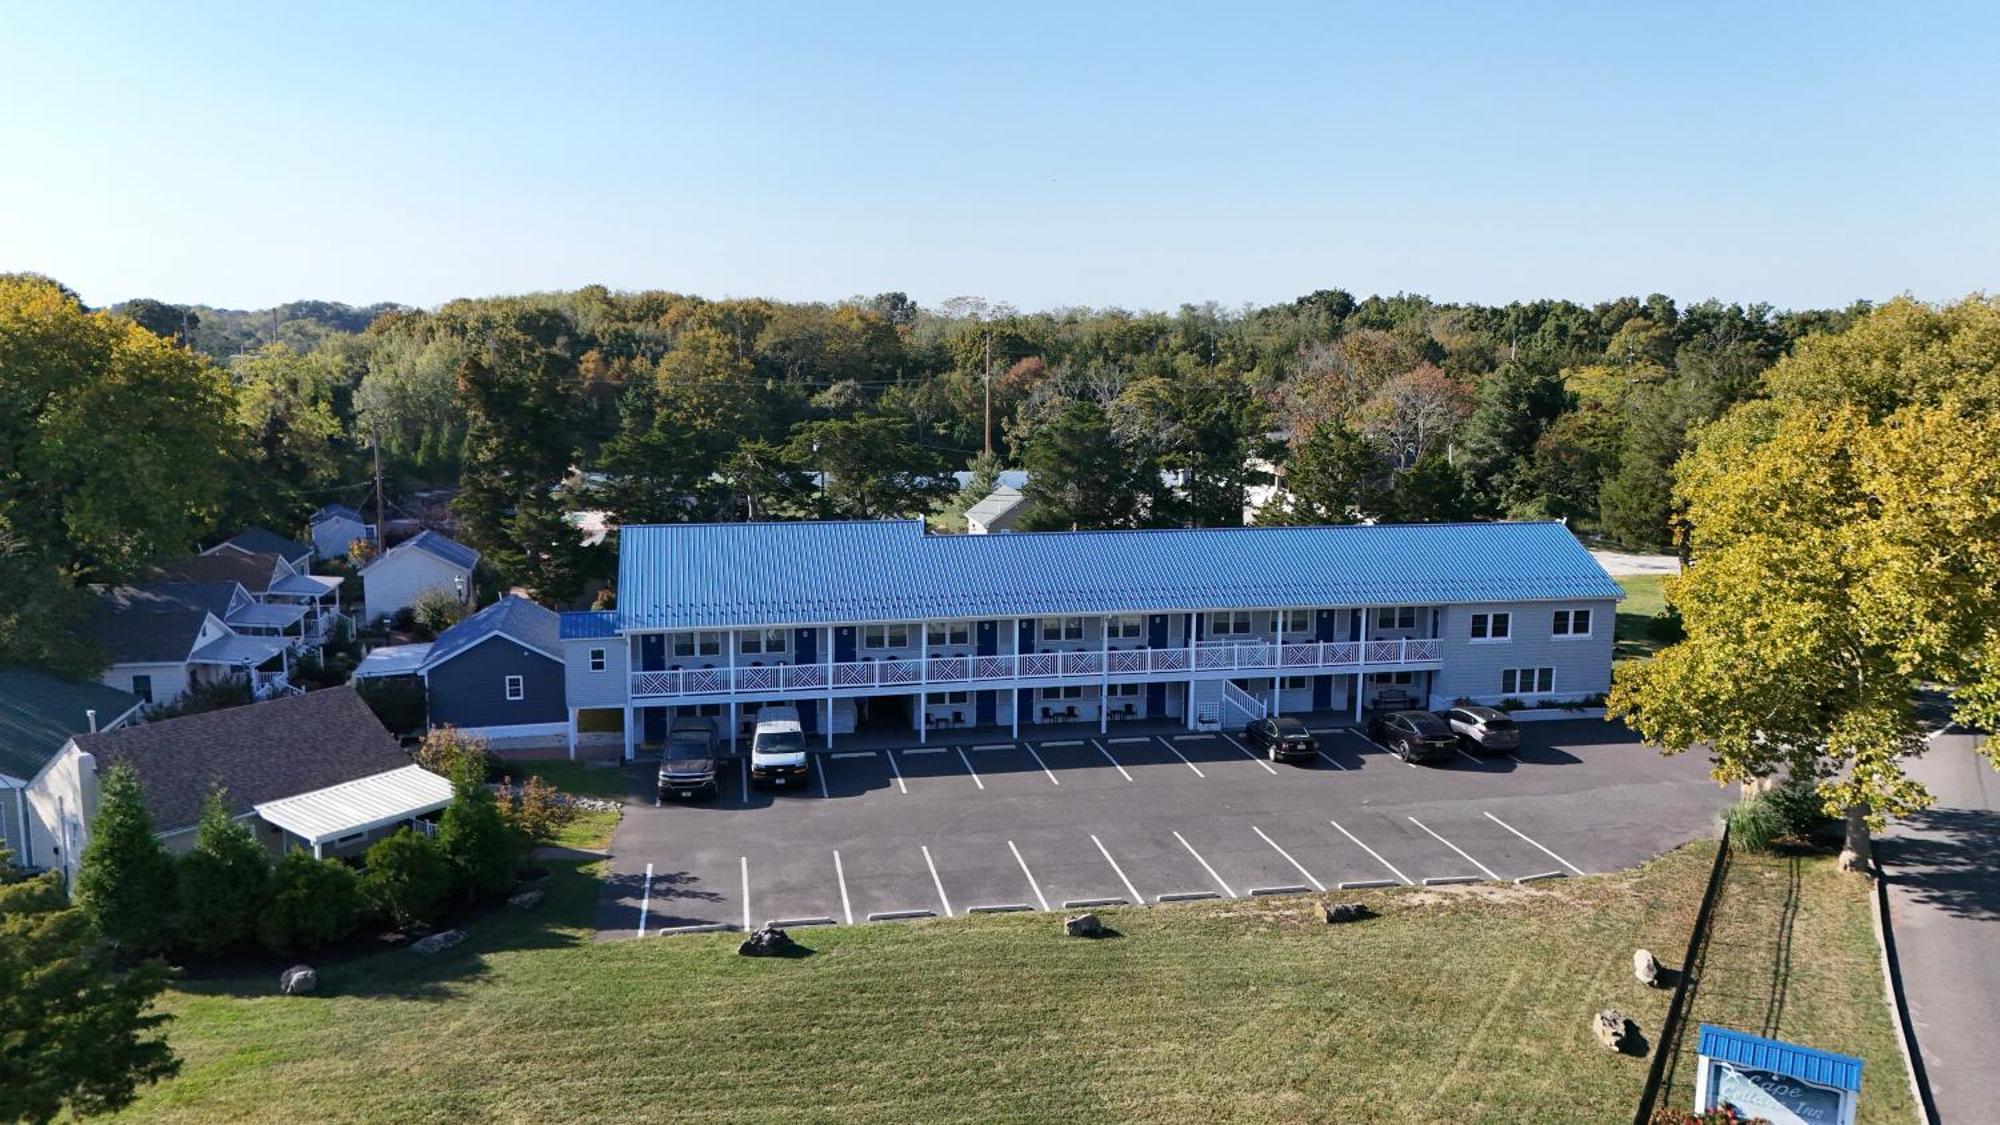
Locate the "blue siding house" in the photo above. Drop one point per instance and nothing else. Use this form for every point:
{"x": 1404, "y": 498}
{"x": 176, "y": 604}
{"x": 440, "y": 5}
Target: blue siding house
{"x": 877, "y": 624}
{"x": 498, "y": 673}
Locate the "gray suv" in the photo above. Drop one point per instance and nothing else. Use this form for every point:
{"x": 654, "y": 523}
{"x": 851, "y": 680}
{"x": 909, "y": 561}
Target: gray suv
{"x": 687, "y": 767}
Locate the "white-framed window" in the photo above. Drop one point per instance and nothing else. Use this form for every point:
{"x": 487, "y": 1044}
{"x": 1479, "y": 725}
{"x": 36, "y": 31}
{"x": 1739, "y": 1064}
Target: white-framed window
{"x": 764, "y": 641}
{"x": 1295, "y": 683}
{"x": 885, "y": 636}
{"x": 1527, "y": 681}
{"x": 1229, "y": 623}
{"x": 1396, "y": 617}
{"x": 1128, "y": 691}
{"x": 1060, "y": 629}
{"x": 1298, "y": 622}
{"x": 943, "y": 633}
{"x": 1393, "y": 679}
{"x": 953, "y": 697}
{"x": 597, "y": 663}
{"x": 517, "y": 689}
{"x": 142, "y": 686}
{"x": 698, "y": 644}
{"x": 1571, "y": 623}
{"x": 1129, "y": 628}
{"x": 1492, "y": 626}
{"x": 1073, "y": 691}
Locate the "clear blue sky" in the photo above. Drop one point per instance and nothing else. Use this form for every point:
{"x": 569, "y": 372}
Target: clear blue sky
{"x": 1067, "y": 154}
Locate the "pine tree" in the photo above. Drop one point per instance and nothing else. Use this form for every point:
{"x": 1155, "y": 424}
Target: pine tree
{"x": 127, "y": 883}
{"x": 483, "y": 848}
{"x": 313, "y": 902}
{"x": 225, "y": 881}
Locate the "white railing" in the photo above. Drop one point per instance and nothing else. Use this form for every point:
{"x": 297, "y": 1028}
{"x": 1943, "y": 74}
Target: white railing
{"x": 959, "y": 671}
{"x": 1251, "y": 706}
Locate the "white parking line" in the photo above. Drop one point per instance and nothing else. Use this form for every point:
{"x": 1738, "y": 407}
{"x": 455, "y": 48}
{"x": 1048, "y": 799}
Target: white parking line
{"x": 840, "y": 873}
{"x": 1044, "y": 765}
{"x": 1037, "y": 887}
{"x": 646, "y": 901}
{"x": 746, "y": 893}
{"x": 824, "y": 765}
{"x": 1268, "y": 767}
{"x": 853, "y": 754}
{"x": 746, "y": 778}
{"x": 995, "y": 746}
{"x": 1112, "y": 760}
{"x": 1531, "y": 840}
{"x": 1065, "y": 742}
{"x": 924, "y": 749}
{"x": 1454, "y": 847}
{"x": 1372, "y": 745}
{"x": 1328, "y": 759}
{"x": 1137, "y": 898}
{"x": 937, "y": 882}
{"x": 1407, "y": 881}
{"x": 1204, "y": 865}
{"x": 891, "y": 755}
{"x": 1183, "y": 757}
{"x": 1467, "y": 757}
{"x": 1119, "y": 741}
{"x": 969, "y": 769}
{"x": 1317, "y": 885}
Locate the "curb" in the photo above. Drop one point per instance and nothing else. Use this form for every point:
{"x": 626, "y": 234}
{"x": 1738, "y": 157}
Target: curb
{"x": 1892, "y": 989}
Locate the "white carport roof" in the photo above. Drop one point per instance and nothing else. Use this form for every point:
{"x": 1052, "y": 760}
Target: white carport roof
{"x": 305, "y": 585}
{"x": 359, "y": 805}
{"x": 238, "y": 651}
{"x": 267, "y": 615}
{"x": 392, "y": 660}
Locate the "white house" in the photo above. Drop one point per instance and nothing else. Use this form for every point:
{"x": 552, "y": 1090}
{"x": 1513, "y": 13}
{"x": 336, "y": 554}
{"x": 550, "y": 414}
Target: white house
{"x": 335, "y": 527}
{"x": 1000, "y": 510}
{"x": 289, "y": 602}
{"x": 264, "y": 541}
{"x": 163, "y": 638}
{"x": 38, "y": 715}
{"x": 404, "y": 573}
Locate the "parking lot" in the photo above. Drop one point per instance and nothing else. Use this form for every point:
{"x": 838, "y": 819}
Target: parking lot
{"x": 876, "y": 835}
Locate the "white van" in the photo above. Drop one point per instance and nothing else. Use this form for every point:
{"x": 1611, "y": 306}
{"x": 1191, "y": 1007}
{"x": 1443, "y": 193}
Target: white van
{"x": 778, "y": 749}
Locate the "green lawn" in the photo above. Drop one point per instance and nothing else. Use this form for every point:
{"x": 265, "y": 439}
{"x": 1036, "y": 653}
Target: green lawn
{"x": 1469, "y": 1004}
{"x": 1643, "y": 602}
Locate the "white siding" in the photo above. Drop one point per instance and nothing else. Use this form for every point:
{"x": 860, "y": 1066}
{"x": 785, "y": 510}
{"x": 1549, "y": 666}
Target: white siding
{"x": 398, "y": 580}
{"x": 331, "y": 537}
{"x": 1472, "y": 669}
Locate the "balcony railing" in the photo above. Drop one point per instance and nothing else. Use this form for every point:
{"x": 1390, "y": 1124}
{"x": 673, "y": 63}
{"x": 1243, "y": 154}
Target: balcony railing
{"x": 958, "y": 672}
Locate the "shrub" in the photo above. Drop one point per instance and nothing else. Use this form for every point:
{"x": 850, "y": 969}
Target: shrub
{"x": 398, "y": 701}
{"x": 127, "y": 883}
{"x": 1665, "y": 627}
{"x": 313, "y": 902}
{"x": 407, "y": 878}
{"x": 483, "y": 847}
{"x": 438, "y": 609}
{"x": 215, "y": 695}
{"x": 225, "y": 881}
{"x": 1754, "y": 825}
{"x": 1512, "y": 704}
{"x": 537, "y": 810}
{"x": 404, "y": 620}
{"x": 446, "y": 747}
{"x": 1798, "y": 807}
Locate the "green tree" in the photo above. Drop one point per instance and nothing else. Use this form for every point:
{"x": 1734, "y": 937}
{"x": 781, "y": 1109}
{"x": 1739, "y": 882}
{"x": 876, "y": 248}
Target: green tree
{"x": 873, "y": 467}
{"x": 1430, "y": 491}
{"x": 76, "y": 1033}
{"x": 1334, "y": 476}
{"x": 295, "y": 437}
{"x": 1202, "y": 425}
{"x": 438, "y": 609}
{"x": 407, "y": 878}
{"x": 126, "y": 882}
{"x": 225, "y": 881}
{"x": 1080, "y": 476}
{"x": 475, "y": 836}
{"x": 1497, "y": 443}
{"x": 314, "y": 902}
{"x": 520, "y": 392}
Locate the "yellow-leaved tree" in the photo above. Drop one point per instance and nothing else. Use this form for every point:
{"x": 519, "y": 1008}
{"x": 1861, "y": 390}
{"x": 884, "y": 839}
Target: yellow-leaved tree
{"x": 1844, "y": 543}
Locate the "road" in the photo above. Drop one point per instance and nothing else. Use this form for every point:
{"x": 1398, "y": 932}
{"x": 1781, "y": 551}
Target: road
{"x": 1943, "y": 872}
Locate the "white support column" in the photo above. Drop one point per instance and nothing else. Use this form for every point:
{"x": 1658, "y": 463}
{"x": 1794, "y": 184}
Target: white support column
{"x": 1193, "y": 628}
{"x": 1361, "y": 669}
{"x": 1014, "y": 711}
{"x": 1014, "y": 693}
{"x": 1104, "y": 676}
{"x": 733, "y": 723}
{"x": 572, "y": 733}
{"x": 630, "y": 752}
{"x": 828, "y": 641}
{"x": 923, "y": 717}
{"x": 1278, "y": 680}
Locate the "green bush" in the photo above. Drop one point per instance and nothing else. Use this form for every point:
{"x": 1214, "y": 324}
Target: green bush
{"x": 1789, "y": 811}
{"x": 225, "y": 882}
{"x": 127, "y": 883}
{"x": 1755, "y": 825}
{"x": 313, "y": 902}
{"x": 438, "y": 609}
{"x": 408, "y": 879}
{"x": 483, "y": 847}
{"x": 1799, "y": 807}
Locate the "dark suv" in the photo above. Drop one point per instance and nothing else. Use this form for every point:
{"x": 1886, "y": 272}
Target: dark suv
{"x": 1282, "y": 739}
{"x": 687, "y": 767}
{"x": 1414, "y": 736}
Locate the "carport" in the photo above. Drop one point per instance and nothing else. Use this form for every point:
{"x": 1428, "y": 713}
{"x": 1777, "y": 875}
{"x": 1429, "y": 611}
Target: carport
{"x": 345, "y": 813}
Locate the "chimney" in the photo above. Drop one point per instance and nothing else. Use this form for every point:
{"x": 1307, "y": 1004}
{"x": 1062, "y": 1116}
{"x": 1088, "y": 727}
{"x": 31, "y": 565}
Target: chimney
{"x": 91, "y": 716}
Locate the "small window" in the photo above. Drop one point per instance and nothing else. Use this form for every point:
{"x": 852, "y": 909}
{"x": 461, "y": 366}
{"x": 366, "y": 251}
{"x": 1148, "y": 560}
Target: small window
{"x": 760, "y": 641}
{"x": 1492, "y": 626}
{"x": 698, "y": 644}
{"x": 1396, "y": 617}
{"x": 1394, "y": 679}
{"x": 1527, "y": 681}
{"x": 1295, "y": 683}
{"x": 1571, "y": 623}
{"x": 597, "y": 660}
{"x": 517, "y": 689}
{"x": 952, "y": 697}
{"x": 1125, "y": 628}
{"x": 1230, "y": 623}
{"x": 942, "y": 633}
{"x": 885, "y": 636}
{"x": 142, "y": 686}
{"x": 1298, "y": 622}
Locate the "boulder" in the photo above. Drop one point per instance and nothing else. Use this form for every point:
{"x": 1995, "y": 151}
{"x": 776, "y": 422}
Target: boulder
{"x": 438, "y": 942}
{"x": 298, "y": 980}
{"x": 526, "y": 900}
{"x": 1611, "y": 1027}
{"x": 1338, "y": 912}
{"x": 1646, "y": 967}
{"x": 1083, "y": 925}
{"x": 768, "y": 941}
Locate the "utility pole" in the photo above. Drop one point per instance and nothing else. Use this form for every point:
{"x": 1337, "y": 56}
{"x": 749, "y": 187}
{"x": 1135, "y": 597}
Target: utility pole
{"x": 989, "y": 394}
{"x": 375, "y": 432}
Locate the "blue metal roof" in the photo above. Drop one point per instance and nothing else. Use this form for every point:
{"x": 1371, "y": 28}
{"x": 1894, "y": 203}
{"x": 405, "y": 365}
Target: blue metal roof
{"x": 517, "y": 617}
{"x": 682, "y": 576}
{"x": 1842, "y": 1072}
{"x": 589, "y": 624}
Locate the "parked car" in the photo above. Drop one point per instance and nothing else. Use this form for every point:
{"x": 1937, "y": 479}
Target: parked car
{"x": 778, "y": 748}
{"x": 1414, "y": 736}
{"x": 1484, "y": 729}
{"x": 1282, "y": 739}
{"x": 688, "y": 766}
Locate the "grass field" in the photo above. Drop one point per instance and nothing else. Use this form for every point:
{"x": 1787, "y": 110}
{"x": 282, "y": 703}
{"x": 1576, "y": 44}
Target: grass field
{"x": 1643, "y": 601}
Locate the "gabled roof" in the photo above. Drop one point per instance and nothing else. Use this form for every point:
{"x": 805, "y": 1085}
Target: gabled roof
{"x": 679, "y": 576}
{"x": 215, "y": 597}
{"x": 154, "y": 624}
{"x": 260, "y": 752}
{"x": 433, "y": 544}
{"x": 39, "y": 713}
{"x": 997, "y": 503}
{"x": 359, "y": 805}
{"x": 255, "y": 572}
{"x": 337, "y": 511}
{"x": 515, "y": 618}
{"x": 262, "y": 540}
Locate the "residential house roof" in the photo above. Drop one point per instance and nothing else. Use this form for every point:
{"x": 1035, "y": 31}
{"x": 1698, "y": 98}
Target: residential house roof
{"x": 337, "y": 511}
{"x": 433, "y": 544}
{"x": 262, "y": 540}
{"x": 997, "y": 504}
{"x": 254, "y": 571}
{"x": 359, "y": 805}
{"x": 259, "y": 752}
{"x": 514, "y": 617}
{"x": 145, "y": 624}
{"x": 236, "y": 651}
{"x": 39, "y": 713}
{"x": 392, "y": 660}
{"x": 680, "y": 576}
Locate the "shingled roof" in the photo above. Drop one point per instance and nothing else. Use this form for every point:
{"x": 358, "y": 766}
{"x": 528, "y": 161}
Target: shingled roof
{"x": 39, "y": 713}
{"x": 258, "y": 753}
{"x": 253, "y": 571}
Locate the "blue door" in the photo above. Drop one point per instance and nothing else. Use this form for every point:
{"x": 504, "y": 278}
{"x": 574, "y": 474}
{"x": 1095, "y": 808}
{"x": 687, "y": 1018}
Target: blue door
{"x": 843, "y": 645}
{"x": 1156, "y": 693}
{"x": 807, "y": 645}
{"x": 652, "y": 652}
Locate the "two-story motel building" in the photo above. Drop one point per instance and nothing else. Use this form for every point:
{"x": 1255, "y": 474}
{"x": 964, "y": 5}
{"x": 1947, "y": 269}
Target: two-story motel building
{"x": 874, "y": 625}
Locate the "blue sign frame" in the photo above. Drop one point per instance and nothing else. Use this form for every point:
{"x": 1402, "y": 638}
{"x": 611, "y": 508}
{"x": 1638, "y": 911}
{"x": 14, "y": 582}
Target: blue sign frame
{"x": 1781, "y": 1082}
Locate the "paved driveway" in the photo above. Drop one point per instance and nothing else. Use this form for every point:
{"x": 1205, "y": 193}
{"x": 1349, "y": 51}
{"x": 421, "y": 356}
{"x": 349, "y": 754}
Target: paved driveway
{"x": 1052, "y": 825}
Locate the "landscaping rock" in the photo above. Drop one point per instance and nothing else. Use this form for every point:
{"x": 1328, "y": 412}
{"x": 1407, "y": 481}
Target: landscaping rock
{"x": 526, "y": 900}
{"x": 1646, "y": 967}
{"x": 1611, "y": 1027}
{"x": 298, "y": 980}
{"x": 1339, "y": 912}
{"x": 438, "y": 942}
{"x": 1083, "y": 925}
{"x": 768, "y": 941}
